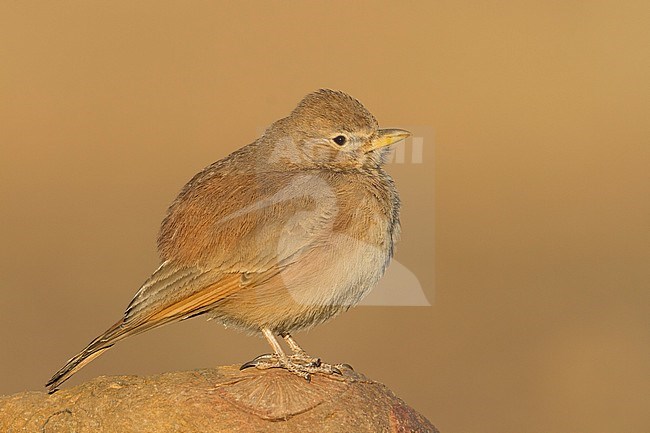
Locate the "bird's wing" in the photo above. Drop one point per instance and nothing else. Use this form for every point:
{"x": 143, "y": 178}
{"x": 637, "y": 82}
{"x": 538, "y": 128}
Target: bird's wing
{"x": 167, "y": 286}
{"x": 246, "y": 221}
{"x": 176, "y": 293}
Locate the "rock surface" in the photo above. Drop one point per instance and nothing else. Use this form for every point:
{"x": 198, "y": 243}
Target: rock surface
{"x": 221, "y": 400}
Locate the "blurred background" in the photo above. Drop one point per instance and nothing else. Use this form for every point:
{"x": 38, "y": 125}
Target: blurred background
{"x": 527, "y": 223}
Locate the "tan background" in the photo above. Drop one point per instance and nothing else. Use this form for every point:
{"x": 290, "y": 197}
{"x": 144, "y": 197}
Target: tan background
{"x": 541, "y": 213}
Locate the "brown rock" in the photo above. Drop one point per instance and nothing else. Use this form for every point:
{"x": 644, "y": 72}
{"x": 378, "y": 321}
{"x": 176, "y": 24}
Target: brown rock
{"x": 221, "y": 400}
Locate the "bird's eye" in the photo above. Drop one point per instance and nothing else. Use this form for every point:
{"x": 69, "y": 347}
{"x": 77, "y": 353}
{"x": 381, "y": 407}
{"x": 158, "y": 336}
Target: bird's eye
{"x": 340, "y": 140}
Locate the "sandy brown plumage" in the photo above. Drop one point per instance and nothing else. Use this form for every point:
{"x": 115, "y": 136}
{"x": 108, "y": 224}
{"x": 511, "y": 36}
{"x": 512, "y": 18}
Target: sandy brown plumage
{"x": 279, "y": 236}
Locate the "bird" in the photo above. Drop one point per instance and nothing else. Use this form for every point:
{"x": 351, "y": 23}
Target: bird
{"x": 277, "y": 237}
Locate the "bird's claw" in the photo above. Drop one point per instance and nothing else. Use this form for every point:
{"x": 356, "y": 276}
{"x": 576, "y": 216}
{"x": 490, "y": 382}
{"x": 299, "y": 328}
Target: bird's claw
{"x": 299, "y": 364}
{"x": 257, "y": 361}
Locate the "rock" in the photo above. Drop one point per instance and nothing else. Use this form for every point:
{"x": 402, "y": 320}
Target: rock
{"x": 221, "y": 399}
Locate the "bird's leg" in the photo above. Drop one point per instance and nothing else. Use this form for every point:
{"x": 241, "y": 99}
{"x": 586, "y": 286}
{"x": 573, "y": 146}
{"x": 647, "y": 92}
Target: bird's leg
{"x": 277, "y": 349}
{"x": 299, "y": 353}
{"x": 295, "y": 348}
{"x": 277, "y": 359}
{"x": 268, "y": 360}
{"x": 299, "y": 363}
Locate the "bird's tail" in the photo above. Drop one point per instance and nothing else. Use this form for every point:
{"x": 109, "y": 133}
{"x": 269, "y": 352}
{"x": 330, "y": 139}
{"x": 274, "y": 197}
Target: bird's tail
{"x": 98, "y": 346}
{"x": 156, "y": 303}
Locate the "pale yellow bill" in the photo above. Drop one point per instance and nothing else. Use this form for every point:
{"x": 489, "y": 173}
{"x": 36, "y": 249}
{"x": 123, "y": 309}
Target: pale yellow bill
{"x": 386, "y": 137}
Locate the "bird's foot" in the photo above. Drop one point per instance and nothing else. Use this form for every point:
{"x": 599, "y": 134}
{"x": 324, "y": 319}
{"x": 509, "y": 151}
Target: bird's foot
{"x": 303, "y": 358}
{"x": 299, "y": 364}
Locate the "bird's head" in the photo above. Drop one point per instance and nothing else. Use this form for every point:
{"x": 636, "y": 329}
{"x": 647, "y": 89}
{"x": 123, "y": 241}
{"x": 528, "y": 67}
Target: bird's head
{"x": 331, "y": 129}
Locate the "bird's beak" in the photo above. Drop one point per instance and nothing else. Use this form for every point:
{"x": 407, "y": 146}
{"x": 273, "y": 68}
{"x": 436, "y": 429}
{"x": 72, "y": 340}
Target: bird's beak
{"x": 386, "y": 137}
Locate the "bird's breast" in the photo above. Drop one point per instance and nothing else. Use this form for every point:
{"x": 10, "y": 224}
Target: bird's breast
{"x": 351, "y": 251}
